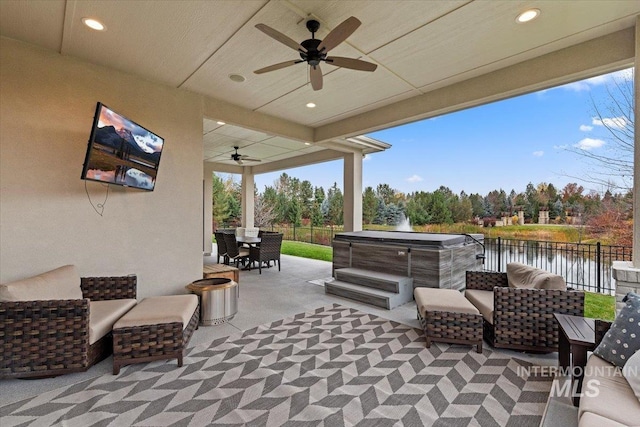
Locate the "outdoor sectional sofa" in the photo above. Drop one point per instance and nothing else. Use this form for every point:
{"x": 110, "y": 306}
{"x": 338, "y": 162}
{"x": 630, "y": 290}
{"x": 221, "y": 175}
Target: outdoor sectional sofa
{"x": 608, "y": 399}
{"x": 57, "y": 323}
{"x": 517, "y": 307}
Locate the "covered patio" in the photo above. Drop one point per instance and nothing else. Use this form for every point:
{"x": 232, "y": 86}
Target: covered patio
{"x": 186, "y": 71}
{"x": 257, "y": 306}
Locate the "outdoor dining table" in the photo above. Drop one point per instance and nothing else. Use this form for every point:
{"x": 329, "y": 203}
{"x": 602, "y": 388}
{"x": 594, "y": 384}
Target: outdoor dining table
{"x": 251, "y": 241}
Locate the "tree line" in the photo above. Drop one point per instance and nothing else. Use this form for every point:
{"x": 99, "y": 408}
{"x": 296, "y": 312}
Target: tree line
{"x": 295, "y": 202}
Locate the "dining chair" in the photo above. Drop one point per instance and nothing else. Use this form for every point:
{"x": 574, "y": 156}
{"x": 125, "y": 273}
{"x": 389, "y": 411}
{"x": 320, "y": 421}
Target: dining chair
{"x": 235, "y": 253}
{"x": 268, "y": 250}
{"x": 222, "y": 247}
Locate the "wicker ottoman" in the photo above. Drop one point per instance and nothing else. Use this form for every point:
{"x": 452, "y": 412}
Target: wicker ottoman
{"x": 447, "y": 316}
{"x": 157, "y": 328}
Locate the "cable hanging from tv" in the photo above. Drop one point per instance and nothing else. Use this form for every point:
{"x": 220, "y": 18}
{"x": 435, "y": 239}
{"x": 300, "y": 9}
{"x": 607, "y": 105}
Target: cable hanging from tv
{"x": 98, "y": 207}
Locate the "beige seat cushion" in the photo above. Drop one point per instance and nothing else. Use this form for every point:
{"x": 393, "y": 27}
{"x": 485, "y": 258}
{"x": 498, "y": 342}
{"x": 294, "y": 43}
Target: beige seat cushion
{"x": 589, "y": 419}
{"x": 524, "y": 276}
{"x": 61, "y": 283}
{"x": 611, "y": 397}
{"x": 435, "y": 299}
{"x": 103, "y": 315}
{"x": 483, "y": 301}
{"x": 157, "y": 310}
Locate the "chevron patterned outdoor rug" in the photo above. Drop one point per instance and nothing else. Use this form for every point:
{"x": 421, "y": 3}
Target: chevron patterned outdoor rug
{"x": 335, "y": 366}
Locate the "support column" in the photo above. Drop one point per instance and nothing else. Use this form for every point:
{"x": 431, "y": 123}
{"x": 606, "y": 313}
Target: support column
{"x": 635, "y": 255}
{"x": 352, "y": 206}
{"x": 627, "y": 280}
{"x": 207, "y": 209}
{"x": 248, "y": 202}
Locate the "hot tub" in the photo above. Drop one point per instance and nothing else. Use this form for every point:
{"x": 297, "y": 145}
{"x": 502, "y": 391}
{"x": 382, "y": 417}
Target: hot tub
{"x": 433, "y": 260}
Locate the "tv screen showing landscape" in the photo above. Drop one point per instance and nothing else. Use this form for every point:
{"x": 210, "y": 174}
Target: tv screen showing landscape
{"x": 121, "y": 151}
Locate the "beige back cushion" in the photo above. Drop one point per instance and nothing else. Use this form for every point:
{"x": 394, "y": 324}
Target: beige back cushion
{"x": 103, "y": 314}
{"x": 525, "y": 276}
{"x": 61, "y": 283}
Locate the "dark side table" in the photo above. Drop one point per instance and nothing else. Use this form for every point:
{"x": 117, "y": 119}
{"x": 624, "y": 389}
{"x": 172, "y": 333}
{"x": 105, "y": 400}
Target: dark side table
{"x": 576, "y": 338}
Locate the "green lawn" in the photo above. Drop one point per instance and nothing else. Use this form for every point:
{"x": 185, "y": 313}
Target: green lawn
{"x": 307, "y": 250}
{"x": 596, "y": 305}
{"x": 599, "y": 306}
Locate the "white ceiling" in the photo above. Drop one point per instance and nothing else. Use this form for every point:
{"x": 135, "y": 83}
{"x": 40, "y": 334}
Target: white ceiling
{"x": 419, "y": 46}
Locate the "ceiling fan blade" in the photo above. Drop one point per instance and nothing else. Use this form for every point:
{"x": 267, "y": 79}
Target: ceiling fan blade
{"x": 248, "y": 159}
{"x": 239, "y": 161}
{"x": 275, "y": 34}
{"x": 316, "y": 77}
{"x": 339, "y": 34}
{"x": 276, "y": 66}
{"x": 354, "y": 64}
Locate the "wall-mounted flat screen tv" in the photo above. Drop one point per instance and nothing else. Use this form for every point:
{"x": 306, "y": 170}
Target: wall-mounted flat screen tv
{"x": 121, "y": 151}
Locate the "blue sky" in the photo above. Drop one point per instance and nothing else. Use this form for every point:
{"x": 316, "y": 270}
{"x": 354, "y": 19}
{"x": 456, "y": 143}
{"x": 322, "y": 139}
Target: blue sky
{"x": 505, "y": 144}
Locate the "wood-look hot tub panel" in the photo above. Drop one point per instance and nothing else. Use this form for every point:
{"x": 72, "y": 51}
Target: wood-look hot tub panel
{"x": 383, "y": 258}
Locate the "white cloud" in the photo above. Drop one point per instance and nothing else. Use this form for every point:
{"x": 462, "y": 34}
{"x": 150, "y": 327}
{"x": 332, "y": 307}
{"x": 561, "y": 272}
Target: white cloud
{"x": 577, "y": 86}
{"x": 585, "y": 85}
{"x": 560, "y": 147}
{"x": 589, "y": 143}
{"x": 414, "y": 178}
{"x": 539, "y": 153}
{"x": 586, "y": 128}
{"x": 610, "y": 122}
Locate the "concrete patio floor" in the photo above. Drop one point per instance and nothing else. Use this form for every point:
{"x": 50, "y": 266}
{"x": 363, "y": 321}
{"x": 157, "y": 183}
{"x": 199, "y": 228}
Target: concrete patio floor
{"x": 264, "y": 298}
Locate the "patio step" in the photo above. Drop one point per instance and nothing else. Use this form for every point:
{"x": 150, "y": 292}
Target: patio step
{"x": 371, "y": 287}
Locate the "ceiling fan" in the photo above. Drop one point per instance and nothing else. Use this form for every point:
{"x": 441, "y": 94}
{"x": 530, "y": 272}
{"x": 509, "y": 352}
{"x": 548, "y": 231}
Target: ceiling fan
{"x": 313, "y": 51}
{"x": 241, "y": 158}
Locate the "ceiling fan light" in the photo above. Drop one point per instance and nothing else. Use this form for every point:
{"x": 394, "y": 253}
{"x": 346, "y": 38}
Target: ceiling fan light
{"x": 311, "y": 105}
{"x": 94, "y": 24}
{"x": 528, "y": 16}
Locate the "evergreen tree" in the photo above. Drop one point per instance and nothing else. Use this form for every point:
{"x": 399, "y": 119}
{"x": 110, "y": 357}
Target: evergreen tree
{"x": 369, "y": 205}
{"x": 306, "y": 198}
{"x": 386, "y": 193}
{"x": 477, "y": 205}
{"x": 335, "y": 205}
{"x": 220, "y": 207}
{"x": 440, "y": 213}
{"x": 417, "y": 208}
{"x": 294, "y": 212}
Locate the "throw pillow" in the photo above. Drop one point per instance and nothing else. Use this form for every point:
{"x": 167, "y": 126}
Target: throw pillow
{"x": 631, "y": 372}
{"x": 61, "y": 283}
{"x": 623, "y": 338}
{"x": 524, "y": 276}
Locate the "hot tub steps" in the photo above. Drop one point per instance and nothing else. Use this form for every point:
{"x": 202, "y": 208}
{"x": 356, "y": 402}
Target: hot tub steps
{"x": 371, "y": 287}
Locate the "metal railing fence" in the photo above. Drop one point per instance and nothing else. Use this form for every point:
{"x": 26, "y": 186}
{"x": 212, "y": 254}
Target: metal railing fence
{"x": 309, "y": 234}
{"x": 585, "y": 266}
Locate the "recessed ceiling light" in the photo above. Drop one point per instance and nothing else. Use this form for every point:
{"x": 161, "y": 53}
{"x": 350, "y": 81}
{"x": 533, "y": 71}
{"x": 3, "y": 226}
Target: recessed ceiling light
{"x": 94, "y": 24}
{"x": 528, "y": 15}
{"x": 307, "y": 143}
{"x": 221, "y": 123}
{"x": 237, "y": 78}
{"x": 311, "y": 105}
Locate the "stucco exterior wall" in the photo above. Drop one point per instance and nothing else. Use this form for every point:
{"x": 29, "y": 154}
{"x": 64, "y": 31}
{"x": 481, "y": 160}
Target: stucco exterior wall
{"x": 47, "y": 103}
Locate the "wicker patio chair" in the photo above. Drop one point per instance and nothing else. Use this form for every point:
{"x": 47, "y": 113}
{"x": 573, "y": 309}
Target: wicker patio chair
{"x": 235, "y": 253}
{"x": 51, "y": 338}
{"x": 222, "y": 247}
{"x": 268, "y": 250}
{"x": 523, "y": 318}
